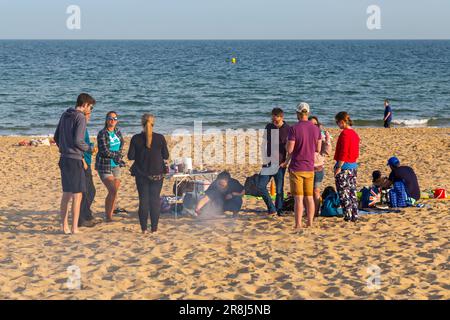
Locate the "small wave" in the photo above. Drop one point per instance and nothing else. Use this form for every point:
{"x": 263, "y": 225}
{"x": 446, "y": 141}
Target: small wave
{"x": 411, "y": 122}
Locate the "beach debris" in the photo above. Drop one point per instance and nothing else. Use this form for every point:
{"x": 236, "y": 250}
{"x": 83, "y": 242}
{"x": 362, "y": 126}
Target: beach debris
{"x": 36, "y": 143}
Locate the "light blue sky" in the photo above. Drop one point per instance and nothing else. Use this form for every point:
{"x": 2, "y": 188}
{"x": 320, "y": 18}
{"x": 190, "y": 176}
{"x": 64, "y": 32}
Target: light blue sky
{"x": 232, "y": 19}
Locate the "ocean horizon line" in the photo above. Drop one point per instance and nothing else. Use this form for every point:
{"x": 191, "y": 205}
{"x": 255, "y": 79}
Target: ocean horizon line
{"x": 224, "y": 39}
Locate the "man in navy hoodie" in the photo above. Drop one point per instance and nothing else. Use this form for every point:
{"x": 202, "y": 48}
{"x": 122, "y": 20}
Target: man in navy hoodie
{"x": 69, "y": 137}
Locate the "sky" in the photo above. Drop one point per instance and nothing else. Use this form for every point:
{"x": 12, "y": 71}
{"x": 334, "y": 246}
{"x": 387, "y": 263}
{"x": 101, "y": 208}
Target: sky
{"x": 232, "y": 19}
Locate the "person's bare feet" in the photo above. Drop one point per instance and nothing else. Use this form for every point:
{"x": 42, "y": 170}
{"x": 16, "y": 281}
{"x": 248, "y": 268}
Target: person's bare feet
{"x": 75, "y": 231}
{"x": 65, "y": 229}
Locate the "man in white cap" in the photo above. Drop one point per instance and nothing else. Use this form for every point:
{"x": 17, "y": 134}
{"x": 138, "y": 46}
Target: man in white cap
{"x": 304, "y": 140}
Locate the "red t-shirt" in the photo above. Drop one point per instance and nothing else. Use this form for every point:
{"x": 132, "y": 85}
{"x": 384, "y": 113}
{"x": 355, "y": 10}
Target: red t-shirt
{"x": 347, "y": 147}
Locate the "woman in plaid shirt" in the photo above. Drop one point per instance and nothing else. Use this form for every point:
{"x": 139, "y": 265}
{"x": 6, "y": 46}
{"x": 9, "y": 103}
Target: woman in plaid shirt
{"x": 109, "y": 160}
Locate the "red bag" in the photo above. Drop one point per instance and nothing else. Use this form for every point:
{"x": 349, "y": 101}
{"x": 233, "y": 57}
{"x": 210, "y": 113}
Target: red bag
{"x": 440, "y": 194}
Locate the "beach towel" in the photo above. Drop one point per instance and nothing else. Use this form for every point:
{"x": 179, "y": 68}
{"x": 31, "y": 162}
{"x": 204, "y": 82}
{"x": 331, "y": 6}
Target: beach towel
{"x": 377, "y": 211}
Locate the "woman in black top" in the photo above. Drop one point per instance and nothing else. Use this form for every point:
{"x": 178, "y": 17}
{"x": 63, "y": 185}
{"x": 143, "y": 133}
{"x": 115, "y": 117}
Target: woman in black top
{"x": 149, "y": 152}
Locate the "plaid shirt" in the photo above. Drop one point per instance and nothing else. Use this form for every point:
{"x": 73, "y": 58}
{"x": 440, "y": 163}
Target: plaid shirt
{"x": 104, "y": 155}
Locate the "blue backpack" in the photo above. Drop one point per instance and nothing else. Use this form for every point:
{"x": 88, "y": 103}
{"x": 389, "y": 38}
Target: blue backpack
{"x": 331, "y": 206}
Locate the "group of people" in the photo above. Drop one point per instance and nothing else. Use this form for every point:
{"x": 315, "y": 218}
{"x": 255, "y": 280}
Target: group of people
{"x": 148, "y": 150}
{"x": 303, "y": 149}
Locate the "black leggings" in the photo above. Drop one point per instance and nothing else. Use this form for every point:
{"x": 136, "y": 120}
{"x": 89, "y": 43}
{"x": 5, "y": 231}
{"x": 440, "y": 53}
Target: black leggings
{"x": 149, "y": 201}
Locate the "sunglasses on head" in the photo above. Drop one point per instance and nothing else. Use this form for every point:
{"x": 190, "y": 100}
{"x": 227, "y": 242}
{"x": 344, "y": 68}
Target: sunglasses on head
{"x": 112, "y": 118}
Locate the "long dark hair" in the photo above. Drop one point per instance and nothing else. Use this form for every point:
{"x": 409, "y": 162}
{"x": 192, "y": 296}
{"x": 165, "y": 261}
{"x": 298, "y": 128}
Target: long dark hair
{"x": 106, "y": 118}
{"x": 317, "y": 120}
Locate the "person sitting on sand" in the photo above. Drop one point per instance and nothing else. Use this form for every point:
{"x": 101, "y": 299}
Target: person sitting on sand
{"x": 109, "y": 160}
{"x": 405, "y": 175}
{"x": 224, "y": 194}
{"x": 69, "y": 137}
{"x": 379, "y": 181}
{"x": 149, "y": 151}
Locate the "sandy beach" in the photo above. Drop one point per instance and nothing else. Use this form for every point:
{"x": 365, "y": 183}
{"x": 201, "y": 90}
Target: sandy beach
{"x": 250, "y": 257}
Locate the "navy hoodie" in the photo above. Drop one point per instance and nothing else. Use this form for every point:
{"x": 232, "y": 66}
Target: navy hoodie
{"x": 69, "y": 135}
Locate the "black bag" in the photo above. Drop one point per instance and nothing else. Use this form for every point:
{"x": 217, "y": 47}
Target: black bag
{"x": 251, "y": 185}
{"x": 289, "y": 204}
{"x": 183, "y": 187}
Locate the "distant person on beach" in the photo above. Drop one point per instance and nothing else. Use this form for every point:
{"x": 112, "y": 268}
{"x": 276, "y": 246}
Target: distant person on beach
{"x": 224, "y": 194}
{"x": 345, "y": 169}
{"x": 149, "y": 151}
{"x": 282, "y": 127}
{"x": 304, "y": 140}
{"x": 69, "y": 137}
{"x": 404, "y": 175}
{"x": 86, "y": 217}
{"x": 387, "y": 114}
{"x": 319, "y": 162}
{"x": 109, "y": 160}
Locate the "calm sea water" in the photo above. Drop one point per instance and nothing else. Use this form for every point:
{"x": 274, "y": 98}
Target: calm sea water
{"x": 183, "y": 81}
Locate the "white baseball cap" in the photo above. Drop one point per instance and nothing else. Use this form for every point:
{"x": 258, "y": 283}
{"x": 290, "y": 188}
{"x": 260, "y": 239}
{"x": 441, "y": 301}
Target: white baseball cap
{"x": 303, "y": 106}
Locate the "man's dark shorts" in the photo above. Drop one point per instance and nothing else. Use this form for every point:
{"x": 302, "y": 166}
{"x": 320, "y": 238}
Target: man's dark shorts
{"x": 73, "y": 177}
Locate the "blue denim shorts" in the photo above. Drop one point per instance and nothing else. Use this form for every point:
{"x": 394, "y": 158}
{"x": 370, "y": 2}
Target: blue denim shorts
{"x": 115, "y": 172}
{"x": 318, "y": 178}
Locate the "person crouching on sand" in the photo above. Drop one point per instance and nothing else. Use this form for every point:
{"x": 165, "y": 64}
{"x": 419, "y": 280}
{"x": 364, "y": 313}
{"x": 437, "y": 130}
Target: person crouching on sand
{"x": 345, "y": 169}
{"x": 109, "y": 160}
{"x": 149, "y": 152}
{"x": 224, "y": 194}
{"x": 69, "y": 137}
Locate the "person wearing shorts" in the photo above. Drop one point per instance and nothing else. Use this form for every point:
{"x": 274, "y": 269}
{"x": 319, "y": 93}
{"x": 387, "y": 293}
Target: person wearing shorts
{"x": 69, "y": 137}
{"x": 109, "y": 160}
{"x": 304, "y": 139}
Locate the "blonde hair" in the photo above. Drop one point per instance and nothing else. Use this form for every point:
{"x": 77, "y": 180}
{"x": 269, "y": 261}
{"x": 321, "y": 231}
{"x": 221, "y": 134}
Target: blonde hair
{"x": 147, "y": 121}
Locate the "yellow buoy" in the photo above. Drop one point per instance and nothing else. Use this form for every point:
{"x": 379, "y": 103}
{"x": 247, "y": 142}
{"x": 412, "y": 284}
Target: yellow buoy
{"x": 233, "y": 60}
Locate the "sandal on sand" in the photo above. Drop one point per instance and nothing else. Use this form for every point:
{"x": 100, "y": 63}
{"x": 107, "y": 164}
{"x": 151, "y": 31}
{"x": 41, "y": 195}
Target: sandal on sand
{"x": 120, "y": 210}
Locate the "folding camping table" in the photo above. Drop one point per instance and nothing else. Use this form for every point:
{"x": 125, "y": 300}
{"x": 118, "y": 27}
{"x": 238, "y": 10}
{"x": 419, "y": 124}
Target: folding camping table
{"x": 182, "y": 177}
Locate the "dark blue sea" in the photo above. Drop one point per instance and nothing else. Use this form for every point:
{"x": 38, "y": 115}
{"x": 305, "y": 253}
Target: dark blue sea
{"x": 183, "y": 81}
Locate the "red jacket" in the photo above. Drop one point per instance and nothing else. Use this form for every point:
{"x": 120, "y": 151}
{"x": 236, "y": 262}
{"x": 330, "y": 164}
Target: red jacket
{"x": 347, "y": 147}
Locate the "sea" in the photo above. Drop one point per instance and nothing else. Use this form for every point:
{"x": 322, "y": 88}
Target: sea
{"x": 225, "y": 84}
